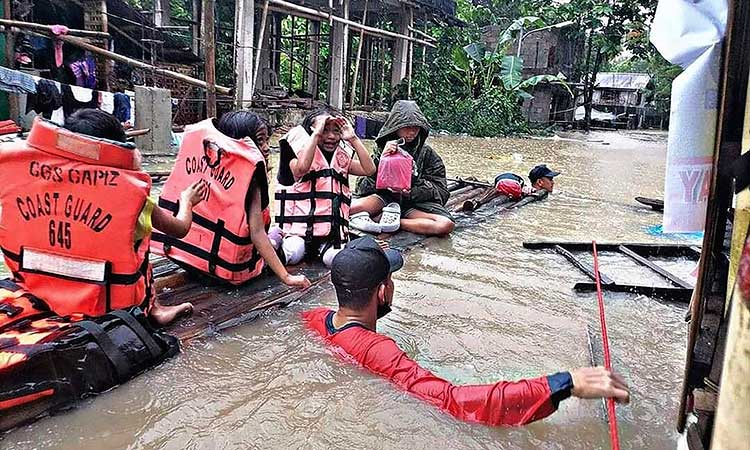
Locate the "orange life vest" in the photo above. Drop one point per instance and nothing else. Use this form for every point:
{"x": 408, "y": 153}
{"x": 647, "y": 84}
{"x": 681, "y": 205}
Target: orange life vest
{"x": 48, "y": 362}
{"x": 218, "y": 242}
{"x": 70, "y": 207}
{"x": 316, "y": 205}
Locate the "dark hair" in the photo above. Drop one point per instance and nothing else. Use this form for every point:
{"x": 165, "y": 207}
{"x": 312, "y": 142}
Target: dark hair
{"x": 95, "y": 123}
{"x": 307, "y": 122}
{"x": 354, "y": 299}
{"x": 242, "y": 124}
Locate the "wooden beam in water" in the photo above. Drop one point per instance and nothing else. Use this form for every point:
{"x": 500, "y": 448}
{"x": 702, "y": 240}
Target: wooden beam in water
{"x": 668, "y": 250}
{"x": 668, "y": 293}
{"x": 655, "y": 267}
{"x": 458, "y": 200}
{"x": 585, "y": 268}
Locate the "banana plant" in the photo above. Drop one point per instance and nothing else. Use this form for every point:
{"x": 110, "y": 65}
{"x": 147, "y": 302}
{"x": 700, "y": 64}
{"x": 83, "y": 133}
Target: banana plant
{"x": 480, "y": 66}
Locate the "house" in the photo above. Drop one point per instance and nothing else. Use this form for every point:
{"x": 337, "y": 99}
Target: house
{"x": 544, "y": 52}
{"x": 624, "y": 95}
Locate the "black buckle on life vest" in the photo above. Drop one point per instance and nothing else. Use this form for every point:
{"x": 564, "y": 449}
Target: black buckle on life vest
{"x": 10, "y": 310}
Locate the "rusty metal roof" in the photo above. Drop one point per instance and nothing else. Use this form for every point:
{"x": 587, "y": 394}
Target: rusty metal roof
{"x": 620, "y": 80}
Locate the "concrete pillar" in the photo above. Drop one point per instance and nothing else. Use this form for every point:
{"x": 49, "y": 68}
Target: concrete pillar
{"x": 337, "y": 76}
{"x": 313, "y": 50}
{"x": 153, "y": 107}
{"x": 401, "y": 46}
{"x": 244, "y": 31}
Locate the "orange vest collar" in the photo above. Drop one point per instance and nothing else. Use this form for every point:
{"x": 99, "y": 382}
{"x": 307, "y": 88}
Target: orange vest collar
{"x": 50, "y": 138}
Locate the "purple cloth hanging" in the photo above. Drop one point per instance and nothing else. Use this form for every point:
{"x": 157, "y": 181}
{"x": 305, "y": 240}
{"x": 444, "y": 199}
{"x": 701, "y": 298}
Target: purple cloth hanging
{"x": 360, "y": 126}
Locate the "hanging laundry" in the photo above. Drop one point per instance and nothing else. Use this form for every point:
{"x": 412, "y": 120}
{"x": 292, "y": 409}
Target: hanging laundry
{"x": 108, "y": 102}
{"x": 47, "y": 98}
{"x": 84, "y": 71}
{"x": 16, "y": 82}
{"x": 59, "y": 30}
{"x": 122, "y": 107}
{"x": 75, "y": 98}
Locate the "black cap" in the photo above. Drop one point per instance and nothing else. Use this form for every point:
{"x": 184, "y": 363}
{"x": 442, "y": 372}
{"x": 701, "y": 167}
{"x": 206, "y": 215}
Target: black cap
{"x": 541, "y": 171}
{"x": 362, "y": 265}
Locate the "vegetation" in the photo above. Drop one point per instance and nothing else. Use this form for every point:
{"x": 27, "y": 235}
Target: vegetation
{"x": 464, "y": 86}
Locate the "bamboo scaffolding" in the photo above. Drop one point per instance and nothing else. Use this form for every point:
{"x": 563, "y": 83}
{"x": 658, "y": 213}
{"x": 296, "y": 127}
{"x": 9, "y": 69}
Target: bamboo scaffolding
{"x": 80, "y": 43}
{"x": 48, "y": 29}
{"x": 291, "y": 7}
{"x": 353, "y": 94}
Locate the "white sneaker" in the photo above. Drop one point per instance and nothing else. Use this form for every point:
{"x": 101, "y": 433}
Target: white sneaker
{"x": 362, "y": 222}
{"x": 390, "y": 220}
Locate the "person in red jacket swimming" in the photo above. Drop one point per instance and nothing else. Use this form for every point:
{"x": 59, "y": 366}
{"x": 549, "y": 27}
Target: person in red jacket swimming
{"x": 361, "y": 276}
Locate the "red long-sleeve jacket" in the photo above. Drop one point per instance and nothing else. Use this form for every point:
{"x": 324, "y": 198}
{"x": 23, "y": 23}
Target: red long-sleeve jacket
{"x": 503, "y": 403}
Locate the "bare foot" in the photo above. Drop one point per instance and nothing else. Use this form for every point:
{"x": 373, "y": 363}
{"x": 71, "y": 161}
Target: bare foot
{"x": 164, "y": 315}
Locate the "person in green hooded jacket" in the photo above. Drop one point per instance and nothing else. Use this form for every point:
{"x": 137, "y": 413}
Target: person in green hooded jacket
{"x": 420, "y": 210}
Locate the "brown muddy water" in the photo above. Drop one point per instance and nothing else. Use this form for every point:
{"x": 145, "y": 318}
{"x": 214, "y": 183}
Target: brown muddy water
{"x": 474, "y": 308}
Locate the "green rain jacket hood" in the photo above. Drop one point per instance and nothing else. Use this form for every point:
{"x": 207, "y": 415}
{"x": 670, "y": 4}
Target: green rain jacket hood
{"x": 428, "y": 177}
{"x": 404, "y": 114}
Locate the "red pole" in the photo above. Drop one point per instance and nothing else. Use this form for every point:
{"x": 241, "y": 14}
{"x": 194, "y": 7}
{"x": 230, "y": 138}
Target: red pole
{"x": 613, "y": 434}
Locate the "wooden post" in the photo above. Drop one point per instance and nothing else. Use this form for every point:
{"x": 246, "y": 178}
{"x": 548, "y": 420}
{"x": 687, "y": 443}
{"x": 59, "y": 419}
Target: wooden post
{"x": 339, "y": 39}
{"x": 244, "y": 30}
{"x": 196, "y": 28}
{"x": 162, "y": 13}
{"x": 276, "y": 54}
{"x": 262, "y": 44}
{"x": 366, "y": 71}
{"x": 209, "y": 50}
{"x": 733, "y": 414}
{"x": 353, "y": 97}
{"x": 13, "y": 109}
{"x": 313, "y": 49}
{"x": 401, "y": 50}
{"x": 410, "y": 70}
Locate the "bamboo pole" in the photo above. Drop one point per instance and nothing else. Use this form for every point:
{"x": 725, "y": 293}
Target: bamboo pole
{"x": 48, "y": 28}
{"x": 259, "y": 47}
{"x": 80, "y": 43}
{"x": 423, "y": 34}
{"x": 209, "y": 50}
{"x": 291, "y": 7}
{"x": 353, "y": 95}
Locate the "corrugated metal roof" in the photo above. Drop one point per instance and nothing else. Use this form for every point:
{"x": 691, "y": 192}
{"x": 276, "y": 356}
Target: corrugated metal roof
{"x": 618, "y": 80}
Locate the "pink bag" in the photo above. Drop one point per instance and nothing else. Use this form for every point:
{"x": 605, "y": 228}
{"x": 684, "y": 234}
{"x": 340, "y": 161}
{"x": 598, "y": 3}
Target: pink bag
{"x": 394, "y": 171}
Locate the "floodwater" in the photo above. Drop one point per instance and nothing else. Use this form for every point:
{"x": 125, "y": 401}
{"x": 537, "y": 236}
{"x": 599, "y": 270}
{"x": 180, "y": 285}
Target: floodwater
{"x": 475, "y": 307}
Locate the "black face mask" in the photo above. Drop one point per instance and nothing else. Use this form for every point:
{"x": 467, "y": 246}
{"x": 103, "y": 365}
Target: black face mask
{"x": 383, "y": 310}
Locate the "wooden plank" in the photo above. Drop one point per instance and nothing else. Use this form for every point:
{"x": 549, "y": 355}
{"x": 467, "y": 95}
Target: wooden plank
{"x": 667, "y": 293}
{"x": 655, "y": 267}
{"x": 458, "y": 200}
{"x": 217, "y": 305}
{"x": 585, "y": 268}
{"x": 648, "y": 249}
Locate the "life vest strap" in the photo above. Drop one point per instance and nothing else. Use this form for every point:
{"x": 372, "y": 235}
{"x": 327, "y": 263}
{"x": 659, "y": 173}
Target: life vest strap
{"x": 203, "y": 254}
{"x": 295, "y": 196}
{"x": 143, "y": 335}
{"x": 114, "y": 354}
{"x": 310, "y": 219}
{"x": 325, "y": 173}
{"x": 206, "y": 223}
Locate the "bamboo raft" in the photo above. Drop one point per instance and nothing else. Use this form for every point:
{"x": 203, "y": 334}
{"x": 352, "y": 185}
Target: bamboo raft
{"x": 220, "y": 306}
{"x": 680, "y": 290}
